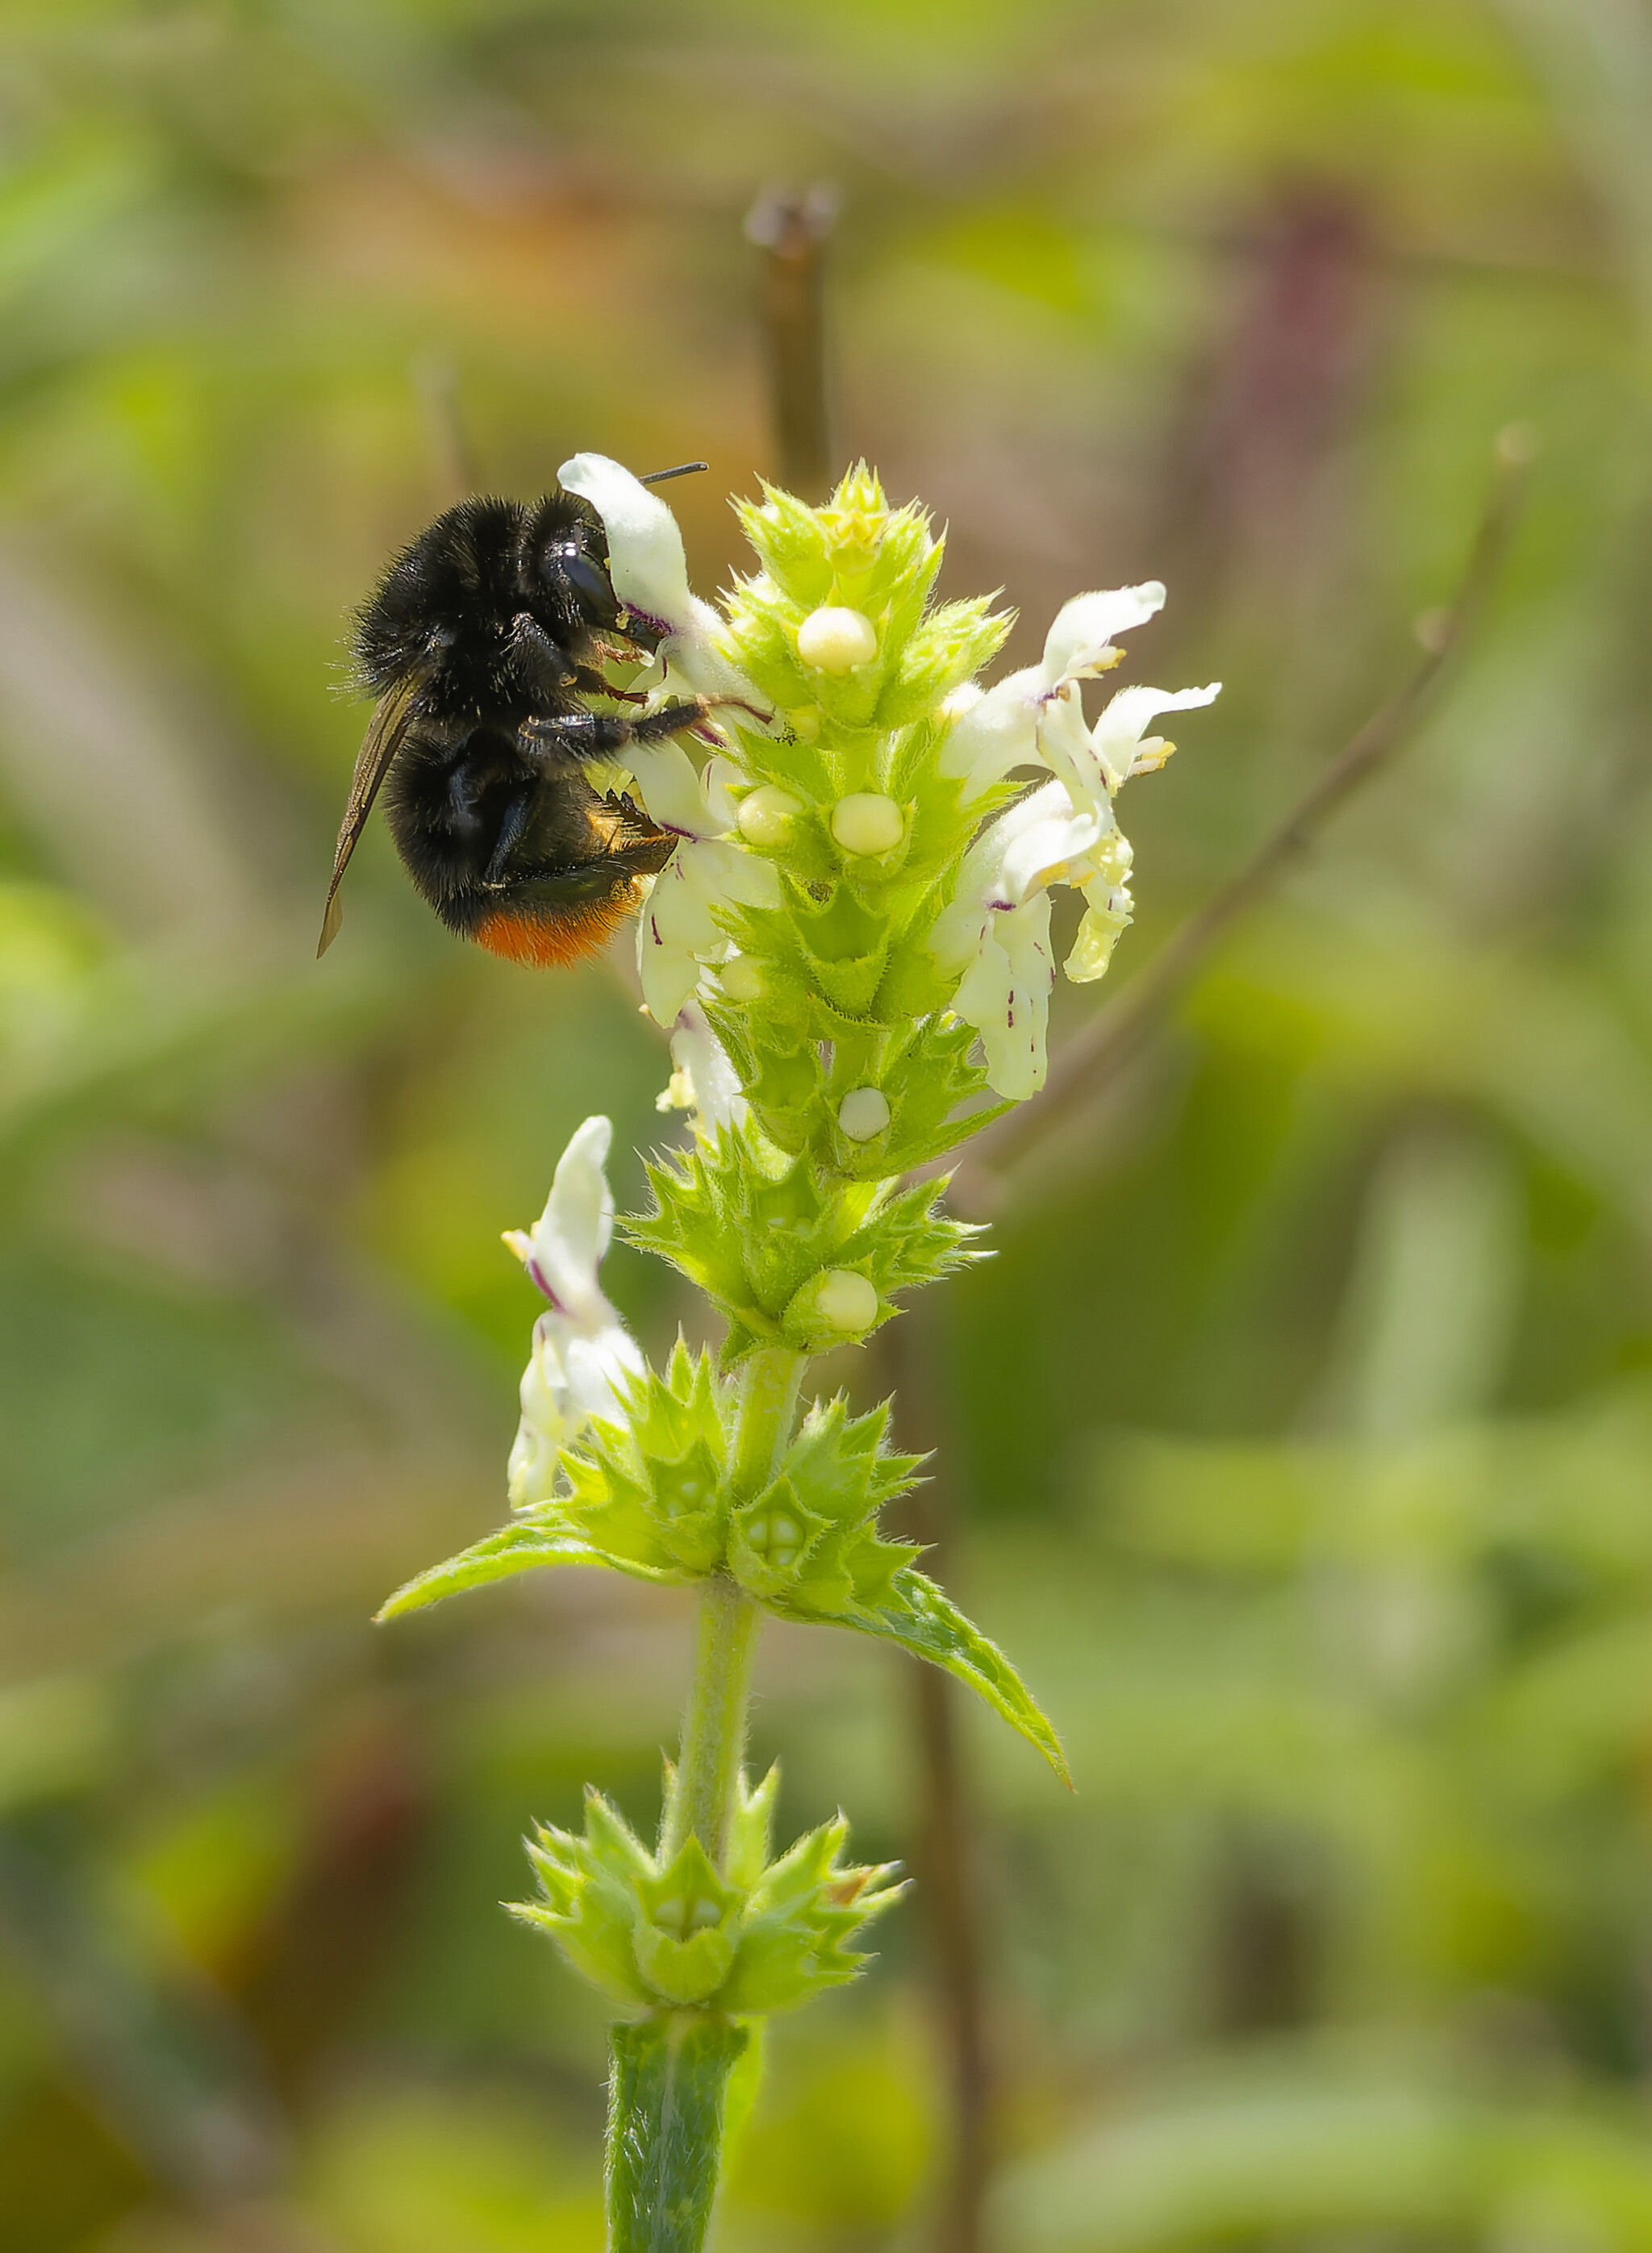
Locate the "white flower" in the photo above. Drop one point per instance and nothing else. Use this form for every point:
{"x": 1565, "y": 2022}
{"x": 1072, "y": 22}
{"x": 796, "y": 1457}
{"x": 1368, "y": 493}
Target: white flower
{"x": 1095, "y": 762}
{"x": 996, "y": 935}
{"x": 1037, "y": 716}
{"x": 650, "y": 573}
{"x": 677, "y": 931}
{"x": 703, "y": 1079}
{"x": 583, "y": 1353}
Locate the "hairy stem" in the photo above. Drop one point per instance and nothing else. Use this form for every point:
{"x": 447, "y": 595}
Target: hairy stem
{"x": 713, "y": 1740}
{"x": 768, "y": 1405}
{"x": 667, "y": 2098}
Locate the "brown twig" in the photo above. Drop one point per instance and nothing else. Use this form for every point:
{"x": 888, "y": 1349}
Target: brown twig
{"x": 1093, "y": 1057}
{"x": 790, "y": 230}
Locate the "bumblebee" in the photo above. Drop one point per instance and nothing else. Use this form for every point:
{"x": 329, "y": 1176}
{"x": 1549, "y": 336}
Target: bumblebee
{"x": 485, "y": 643}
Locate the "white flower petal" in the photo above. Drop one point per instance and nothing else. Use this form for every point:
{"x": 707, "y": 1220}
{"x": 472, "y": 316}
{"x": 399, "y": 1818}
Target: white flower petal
{"x": 719, "y": 773}
{"x": 1047, "y": 852}
{"x": 1080, "y": 641}
{"x": 1108, "y": 912}
{"x": 572, "y": 1374}
{"x": 1122, "y": 725}
{"x": 565, "y": 1246}
{"x": 581, "y": 1352}
{"x": 672, "y": 930}
{"x": 596, "y": 1368}
{"x": 650, "y": 574}
{"x": 731, "y": 873}
{"x": 955, "y": 935}
{"x": 1005, "y": 994}
{"x": 712, "y": 1084}
{"x": 678, "y": 931}
{"x": 1041, "y": 831}
{"x": 995, "y": 735}
{"x": 645, "y": 559}
{"x": 672, "y": 789}
{"x": 1067, "y": 747}
{"x": 694, "y": 653}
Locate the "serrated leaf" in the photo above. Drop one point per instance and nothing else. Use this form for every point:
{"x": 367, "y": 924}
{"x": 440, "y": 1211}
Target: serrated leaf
{"x": 951, "y": 1136}
{"x": 907, "y": 1240}
{"x": 919, "y": 1617}
{"x": 523, "y": 1548}
{"x": 839, "y": 1466}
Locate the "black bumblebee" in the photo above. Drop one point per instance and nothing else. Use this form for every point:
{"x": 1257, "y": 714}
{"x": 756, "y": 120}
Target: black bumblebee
{"x": 483, "y": 643}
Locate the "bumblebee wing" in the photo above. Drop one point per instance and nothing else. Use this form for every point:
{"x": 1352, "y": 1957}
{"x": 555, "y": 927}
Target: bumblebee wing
{"x": 383, "y": 739}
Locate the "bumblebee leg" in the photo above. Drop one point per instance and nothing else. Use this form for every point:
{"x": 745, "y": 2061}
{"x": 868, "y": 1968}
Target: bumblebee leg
{"x": 511, "y": 824}
{"x": 540, "y": 656}
{"x": 601, "y": 735}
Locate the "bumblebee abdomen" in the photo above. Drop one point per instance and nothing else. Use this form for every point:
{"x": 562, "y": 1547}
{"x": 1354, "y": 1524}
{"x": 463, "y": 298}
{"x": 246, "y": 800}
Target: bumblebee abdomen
{"x": 547, "y": 936}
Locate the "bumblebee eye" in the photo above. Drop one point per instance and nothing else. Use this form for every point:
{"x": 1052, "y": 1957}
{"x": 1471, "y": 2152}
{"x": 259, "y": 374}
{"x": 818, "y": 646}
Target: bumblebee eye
{"x": 568, "y": 562}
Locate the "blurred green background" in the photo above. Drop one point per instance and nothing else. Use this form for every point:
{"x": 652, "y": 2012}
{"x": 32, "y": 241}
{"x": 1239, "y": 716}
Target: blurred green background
{"x": 1297, "y": 1441}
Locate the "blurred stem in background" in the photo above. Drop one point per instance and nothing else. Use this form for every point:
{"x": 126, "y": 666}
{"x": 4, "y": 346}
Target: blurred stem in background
{"x": 791, "y": 229}
{"x": 945, "y": 1854}
{"x": 436, "y": 378}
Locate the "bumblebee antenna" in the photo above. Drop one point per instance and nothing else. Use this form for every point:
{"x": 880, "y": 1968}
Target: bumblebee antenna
{"x": 682, "y": 470}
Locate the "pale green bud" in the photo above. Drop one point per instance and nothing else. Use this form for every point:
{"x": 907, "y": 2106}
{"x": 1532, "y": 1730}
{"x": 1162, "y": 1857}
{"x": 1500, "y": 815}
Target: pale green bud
{"x": 741, "y": 977}
{"x": 868, "y": 824}
{"x": 767, "y": 814}
{"x": 847, "y": 1302}
{"x": 836, "y": 640}
{"x": 864, "y": 1114}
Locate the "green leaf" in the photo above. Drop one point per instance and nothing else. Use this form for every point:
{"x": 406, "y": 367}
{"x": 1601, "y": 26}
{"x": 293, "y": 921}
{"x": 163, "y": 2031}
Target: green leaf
{"x": 907, "y": 1241}
{"x": 839, "y": 1465}
{"x": 918, "y": 1616}
{"x": 667, "y": 2100}
{"x": 522, "y": 1548}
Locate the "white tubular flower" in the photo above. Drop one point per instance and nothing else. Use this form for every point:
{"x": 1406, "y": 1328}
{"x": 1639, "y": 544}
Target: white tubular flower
{"x": 996, "y": 935}
{"x": 583, "y": 1352}
{"x": 703, "y": 1079}
{"x": 1037, "y": 717}
{"x": 677, "y": 931}
{"x": 1095, "y": 762}
{"x": 650, "y": 573}
{"x": 1000, "y": 732}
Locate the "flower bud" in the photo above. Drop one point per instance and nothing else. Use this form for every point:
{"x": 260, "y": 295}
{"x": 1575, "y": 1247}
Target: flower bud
{"x": 833, "y": 640}
{"x": 868, "y": 823}
{"x": 864, "y": 1114}
{"x": 741, "y": 977}
{"x": 767, "y": 814}
{"x": 847, "y": 1302}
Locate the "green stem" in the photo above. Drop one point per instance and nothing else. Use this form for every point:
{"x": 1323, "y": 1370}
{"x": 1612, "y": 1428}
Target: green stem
{"x": 701, "y": 1799}
{"x": 768, "y": 1405}
{"x": 713, "y": 1739}
{"x": 667, "y": 2101}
